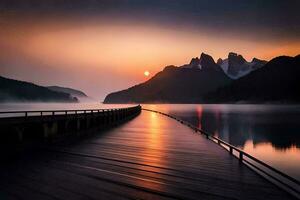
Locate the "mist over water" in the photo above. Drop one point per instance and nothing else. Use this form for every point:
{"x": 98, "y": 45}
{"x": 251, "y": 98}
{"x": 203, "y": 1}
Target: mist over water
{"x": 269, "y": 132}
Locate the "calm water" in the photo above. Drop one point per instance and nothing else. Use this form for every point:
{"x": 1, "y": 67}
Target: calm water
{"x": 268, "y": 132}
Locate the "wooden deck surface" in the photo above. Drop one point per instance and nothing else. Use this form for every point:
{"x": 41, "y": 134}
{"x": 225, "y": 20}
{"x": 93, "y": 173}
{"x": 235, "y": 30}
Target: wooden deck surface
{"x": 150, "y": 157}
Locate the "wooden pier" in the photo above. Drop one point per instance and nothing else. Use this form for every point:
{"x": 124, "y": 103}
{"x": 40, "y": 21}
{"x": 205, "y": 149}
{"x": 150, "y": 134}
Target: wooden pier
{"x": 149, "y": 157}
{"x": 27, "y": 128}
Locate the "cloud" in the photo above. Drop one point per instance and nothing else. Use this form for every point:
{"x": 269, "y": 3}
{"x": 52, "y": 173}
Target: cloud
{"x": 105, "y": 45}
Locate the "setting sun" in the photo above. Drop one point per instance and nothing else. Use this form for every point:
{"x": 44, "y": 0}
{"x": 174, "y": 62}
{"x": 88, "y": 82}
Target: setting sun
{"x": 175, "y": 88}
{"x": 146, "y": 73}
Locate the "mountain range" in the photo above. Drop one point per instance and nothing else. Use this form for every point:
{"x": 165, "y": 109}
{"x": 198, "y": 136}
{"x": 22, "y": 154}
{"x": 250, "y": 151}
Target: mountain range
{"x": 230, "y": 80}
{"x": 186, "y": 84}
{"x": 18, "y": 91}
{"x": 278, "y": 81}
{"x": 235, "y": 66}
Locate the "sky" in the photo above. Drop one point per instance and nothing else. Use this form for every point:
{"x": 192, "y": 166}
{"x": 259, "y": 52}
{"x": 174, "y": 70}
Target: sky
{"x": 101, "y": 46}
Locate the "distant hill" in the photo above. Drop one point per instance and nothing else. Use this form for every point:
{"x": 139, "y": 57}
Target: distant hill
{"x": 186, "y": 84}
{"x": 277, "y": 81}
{"x": 14, "y": 90}
{"x": 71, "y": 91}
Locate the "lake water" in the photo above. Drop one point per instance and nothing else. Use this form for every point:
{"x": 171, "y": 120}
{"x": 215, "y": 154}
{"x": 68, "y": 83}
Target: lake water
{"x": 268, "y": 132}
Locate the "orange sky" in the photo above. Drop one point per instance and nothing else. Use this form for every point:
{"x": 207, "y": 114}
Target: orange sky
{"x": 118, "y": 48}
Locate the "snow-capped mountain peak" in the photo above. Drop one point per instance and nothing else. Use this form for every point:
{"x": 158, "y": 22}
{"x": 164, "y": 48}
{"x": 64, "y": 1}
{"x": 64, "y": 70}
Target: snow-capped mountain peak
{"x": 235, "y": 65}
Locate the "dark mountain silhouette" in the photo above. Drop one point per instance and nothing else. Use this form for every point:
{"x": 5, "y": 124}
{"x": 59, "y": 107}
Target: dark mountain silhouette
{"x": 195, "y": 63}
{"x": 205, "y": 62}
{"x": 71, "y": 91}
{"x": 185, "y": 84}
{"x": 277, "y": 81}
{"x": 203, "y": 81}
{"x": 257, "y": 63}
{"x": 14, "y": 90}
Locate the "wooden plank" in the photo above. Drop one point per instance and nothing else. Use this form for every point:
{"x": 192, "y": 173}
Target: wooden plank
{"x": 150, "y": 157}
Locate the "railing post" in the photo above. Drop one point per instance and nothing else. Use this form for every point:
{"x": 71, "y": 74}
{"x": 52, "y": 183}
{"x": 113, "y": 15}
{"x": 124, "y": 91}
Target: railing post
{"x": 230, "y": 150}
{"x": 26, "y": 114}
{"x": 41, "y": 113}
{"x": 241, "y": 156}
{"x": 53, "y": 113}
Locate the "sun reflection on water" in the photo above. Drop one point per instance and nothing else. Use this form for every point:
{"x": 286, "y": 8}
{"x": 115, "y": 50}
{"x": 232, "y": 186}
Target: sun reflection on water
{"x": 154, "y": 141}
{"x": 199, "y": 110}
{"x": 153, "y": 151}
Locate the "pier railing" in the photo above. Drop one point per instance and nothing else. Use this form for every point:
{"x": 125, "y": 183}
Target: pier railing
{"x": 28, "y": 113}
{"x": 24, "y": 127}
{"x": 277, "y": 177}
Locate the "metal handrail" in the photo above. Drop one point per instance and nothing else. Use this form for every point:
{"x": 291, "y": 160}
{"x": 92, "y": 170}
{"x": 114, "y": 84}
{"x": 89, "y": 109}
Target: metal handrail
{"x": 58, "y": 112}
{"x": 241, "y": 155}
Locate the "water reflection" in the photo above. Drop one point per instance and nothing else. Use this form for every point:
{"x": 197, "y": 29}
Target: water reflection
{"x": 287, "y": 160}
{"x": 281, "y": 130}
{"x": 279, "y": 127}
{"x": 270, "y": 133}
{"x": 199, "y": 110}
{"x": 154, "y": 140}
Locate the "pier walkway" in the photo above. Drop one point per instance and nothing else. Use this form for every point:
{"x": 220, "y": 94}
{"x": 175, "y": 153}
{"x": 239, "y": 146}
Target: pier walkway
{"x": 149, "y": 157}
